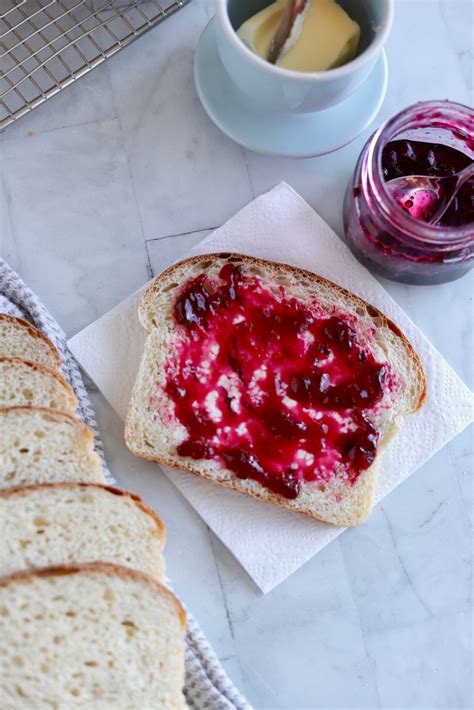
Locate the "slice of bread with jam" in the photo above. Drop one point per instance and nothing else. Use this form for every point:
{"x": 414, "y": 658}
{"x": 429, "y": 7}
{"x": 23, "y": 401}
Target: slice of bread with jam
{"x": 272, "y": 381}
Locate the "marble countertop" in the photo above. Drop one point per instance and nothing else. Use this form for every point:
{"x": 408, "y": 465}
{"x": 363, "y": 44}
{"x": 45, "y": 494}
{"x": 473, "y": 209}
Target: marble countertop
{"x": 118, "y": 176}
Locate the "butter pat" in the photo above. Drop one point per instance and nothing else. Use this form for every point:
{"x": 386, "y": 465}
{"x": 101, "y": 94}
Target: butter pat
{"x": 323, "y": 37}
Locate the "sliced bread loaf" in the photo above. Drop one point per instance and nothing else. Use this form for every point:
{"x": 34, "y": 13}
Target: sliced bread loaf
{"x": 39, "y": 445}
{"x": 20, "y": 339}
{"x": 90, "y": 636}
{"x": 272, "y": 381}
{"x": 24, "y": 383}
{"x": 73, "y": 523}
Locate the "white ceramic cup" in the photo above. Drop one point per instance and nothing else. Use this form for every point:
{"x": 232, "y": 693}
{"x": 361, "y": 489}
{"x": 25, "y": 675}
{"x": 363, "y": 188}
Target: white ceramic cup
{"x": 272, "y": 88}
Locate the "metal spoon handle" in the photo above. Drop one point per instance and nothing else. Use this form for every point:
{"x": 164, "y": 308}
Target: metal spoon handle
{"x": 292, "y": 10}
{"x": 458, "y": 181}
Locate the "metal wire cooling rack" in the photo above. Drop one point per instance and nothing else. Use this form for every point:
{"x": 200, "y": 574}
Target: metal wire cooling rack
{"x": 45, "y": 45}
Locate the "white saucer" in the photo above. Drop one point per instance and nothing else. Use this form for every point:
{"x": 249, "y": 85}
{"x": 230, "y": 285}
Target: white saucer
{"x": 294, "y": 136}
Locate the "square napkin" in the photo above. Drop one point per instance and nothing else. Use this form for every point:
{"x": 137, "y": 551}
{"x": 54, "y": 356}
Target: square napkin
{"x": 269, "y": 542}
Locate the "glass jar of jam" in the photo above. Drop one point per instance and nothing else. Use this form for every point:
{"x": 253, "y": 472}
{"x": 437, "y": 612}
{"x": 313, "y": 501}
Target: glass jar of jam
{"x": 433, "y": 138}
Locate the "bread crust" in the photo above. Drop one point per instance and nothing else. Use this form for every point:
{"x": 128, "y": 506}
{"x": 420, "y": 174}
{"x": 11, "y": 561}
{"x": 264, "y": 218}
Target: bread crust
{"x": 59, "y": 417}
{"x": 24, "y": 490}
{"x": 297, "y": 273}
{"x": 46, "y": 371}
{"x": 35, "y": 333}
{"x": 93, "y": 568}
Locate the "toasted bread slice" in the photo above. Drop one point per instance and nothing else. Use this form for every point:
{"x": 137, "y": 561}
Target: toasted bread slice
{"x": 90, "y": 636}
{"x": 24, "y": 383}
{"x": 18, "y": 338}
{"x": 154, "y": 432}
{"x": 73, "y": 523}
{"x": 39, "y": 445}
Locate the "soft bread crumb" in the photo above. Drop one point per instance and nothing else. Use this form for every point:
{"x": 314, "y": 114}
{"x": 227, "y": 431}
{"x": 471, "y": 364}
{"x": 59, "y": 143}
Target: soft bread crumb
{"x": 24, "y": 383}
{"x": 38, "y": 445}
{"x": 90, "y": 636}
{"x": 68, "y": 523}
{"x": 20, "y": 339}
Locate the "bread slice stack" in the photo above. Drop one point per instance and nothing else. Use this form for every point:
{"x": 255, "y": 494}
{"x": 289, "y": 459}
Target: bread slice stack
{"x": 41, "y": 441}
{"x": 178, "y": 311}
{"x": 86, "y": 619}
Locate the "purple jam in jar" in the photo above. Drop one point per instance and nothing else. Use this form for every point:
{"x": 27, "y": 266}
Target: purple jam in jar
{"x": 434, "y": 139}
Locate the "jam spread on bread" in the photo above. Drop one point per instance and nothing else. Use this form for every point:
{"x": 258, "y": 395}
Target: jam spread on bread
{"x": 276, "y": 389}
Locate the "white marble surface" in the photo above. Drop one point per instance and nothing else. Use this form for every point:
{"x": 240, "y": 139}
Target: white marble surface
{"x": 115, "y": 178}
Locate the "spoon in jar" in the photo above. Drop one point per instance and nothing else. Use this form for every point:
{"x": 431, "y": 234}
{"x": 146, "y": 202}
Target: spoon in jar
{"x": 428, "y": 198}
{"x": 292, "y": 11}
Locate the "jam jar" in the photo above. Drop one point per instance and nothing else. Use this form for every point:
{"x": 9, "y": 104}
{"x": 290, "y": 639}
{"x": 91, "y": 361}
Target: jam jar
{"x": 433, "y": 138}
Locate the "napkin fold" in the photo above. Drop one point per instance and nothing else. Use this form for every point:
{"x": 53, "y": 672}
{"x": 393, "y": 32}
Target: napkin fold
{"x": 269, "y": 542}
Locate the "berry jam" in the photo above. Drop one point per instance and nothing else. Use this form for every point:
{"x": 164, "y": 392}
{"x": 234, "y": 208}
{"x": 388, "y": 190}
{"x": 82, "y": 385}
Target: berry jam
{"x": 277, "y": 390}
{"x": 394, "y": 236}
{"x": 406, "y": 157}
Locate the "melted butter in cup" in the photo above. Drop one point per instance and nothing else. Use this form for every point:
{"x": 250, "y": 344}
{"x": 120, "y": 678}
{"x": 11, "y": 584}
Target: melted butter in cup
{"x": 324, "y": 36}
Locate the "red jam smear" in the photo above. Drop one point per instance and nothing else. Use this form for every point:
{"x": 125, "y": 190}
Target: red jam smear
{"x": 401, "y": 158}
{"x": 275, "y": 389}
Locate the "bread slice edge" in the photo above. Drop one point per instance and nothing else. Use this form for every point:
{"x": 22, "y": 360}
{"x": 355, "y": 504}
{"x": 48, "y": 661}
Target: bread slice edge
{"x": 46, "y": 371}
{"x": 119, "y": 492}
{"x": 97, "y": 568}
{"x": 34, "y": 333}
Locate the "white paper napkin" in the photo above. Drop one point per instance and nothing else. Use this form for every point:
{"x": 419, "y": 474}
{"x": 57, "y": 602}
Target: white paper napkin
{"x": 269, "y": 542}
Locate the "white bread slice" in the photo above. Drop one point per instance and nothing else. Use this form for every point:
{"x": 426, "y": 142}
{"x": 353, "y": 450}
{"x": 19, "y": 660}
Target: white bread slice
{"x": 24, "y": 383}
{"x": 72, "y": 523}
{"x": 154, "y": 433}
{"x": 20, "y": 339}
{"x": 39, "y": 445}
{"x": 92, "y": 636}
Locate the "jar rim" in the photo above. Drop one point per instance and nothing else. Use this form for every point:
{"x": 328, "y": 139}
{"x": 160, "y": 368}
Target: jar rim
{"x": 440, "y": 114}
